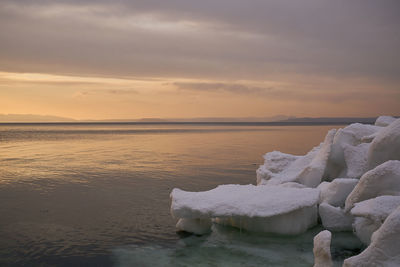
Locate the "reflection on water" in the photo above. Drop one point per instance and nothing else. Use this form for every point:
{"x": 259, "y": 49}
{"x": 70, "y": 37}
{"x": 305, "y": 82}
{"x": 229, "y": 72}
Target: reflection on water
{"x": 88, "y": 193}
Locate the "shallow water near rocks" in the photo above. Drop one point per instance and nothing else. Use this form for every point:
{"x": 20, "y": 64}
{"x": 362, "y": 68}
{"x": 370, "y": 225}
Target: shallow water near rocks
{"x": 98, "y": 194}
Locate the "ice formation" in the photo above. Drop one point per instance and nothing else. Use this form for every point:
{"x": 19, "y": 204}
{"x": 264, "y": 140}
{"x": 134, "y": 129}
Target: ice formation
{"x": 351, "y": 181}
{"x": 385, "y": 146}
{"x": 384, "y": 121}
{"x": 352, "y": 135}
{"x": 334, "y": 218}
{"x": 275, "y": 209}
{"x": 322, "y": 249}
{"x": 384, "y": 249}
{"x": 336, "y": 192}
{"x": 370, "y": 214}
{"x": 307, "y": 170}
{"x": 383, "y": 180}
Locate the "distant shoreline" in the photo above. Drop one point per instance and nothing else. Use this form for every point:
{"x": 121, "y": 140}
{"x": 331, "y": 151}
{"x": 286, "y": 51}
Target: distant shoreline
{"x": 275, "y": 123}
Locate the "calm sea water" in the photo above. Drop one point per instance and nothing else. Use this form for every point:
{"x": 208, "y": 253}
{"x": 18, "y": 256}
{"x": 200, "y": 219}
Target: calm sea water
{"x": 98, "y": 194}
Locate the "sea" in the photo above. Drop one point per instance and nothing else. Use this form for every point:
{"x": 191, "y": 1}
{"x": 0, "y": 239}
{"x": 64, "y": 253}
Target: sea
{"x": 97, "y": 194}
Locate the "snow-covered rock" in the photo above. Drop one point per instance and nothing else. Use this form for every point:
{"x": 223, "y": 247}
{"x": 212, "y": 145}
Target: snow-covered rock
{"x": 370, "y": 214}
{"x": 385, "y": 146}
{"x": 384, "y": 249}
{"x": 336, "y": 192}
{"x": 383, "y": 180}
{"x": 308, "y": 170}
{"x": 356, "y": 159}
{"x": 351, "y": 135}
{"x": 334, "y": 218}
{"x": 197, "y": 226}
{"x": 274, "y": 209}
{"x": 376, "y": 209}
{"x": 384, "y": 121}
{"x": 322, "y": 249}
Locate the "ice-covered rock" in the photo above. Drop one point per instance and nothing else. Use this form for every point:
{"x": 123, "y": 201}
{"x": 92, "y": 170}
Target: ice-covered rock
{"x": 356, "y": 159}
{"x": 370, "y": 214}
{"x": 308, "y": 170}
{"x": 363, "y": 228}
{"x": 336, "y": 192}
{"x": 322, "y": 249}
{"x": 376, "y": 209}
{"x": 274, "y": 209}
{"x": 334, "y": 218}
{"x": 384, "y": 249}
{"x": 384, "y": 120}
{"x": 197, "y": 226}
{"x": 385, "y": 146}
{"x": 383, "y": 180}
{"x": 351, "y": 135}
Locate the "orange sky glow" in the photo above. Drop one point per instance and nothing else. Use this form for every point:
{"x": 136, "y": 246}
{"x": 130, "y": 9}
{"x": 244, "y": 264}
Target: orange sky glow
{"x": 103, "y": 60}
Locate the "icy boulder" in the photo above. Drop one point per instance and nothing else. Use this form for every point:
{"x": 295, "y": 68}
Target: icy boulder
{"x": 273, "y": 209}
{"x": 384, "y": 249}
{"x": 351, "y": 135}
{"x": 384, "y": 121}
{"x": 383, "y": 180}
{"x": 370, "y": 214}
{"x": 336, "y": 192}
{"x": 356, "y": 159}
{"x": 322, "y": 249}
{"x": 307, "y": 170}
{"x": 385, "y": 146}
{"x": 334, "y": 218}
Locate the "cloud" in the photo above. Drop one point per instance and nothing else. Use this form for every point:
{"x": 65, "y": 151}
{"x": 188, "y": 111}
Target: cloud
{"x": 97, "y": 92}
{"x": 220, "y": 87}
{"x": 202, "y": 39}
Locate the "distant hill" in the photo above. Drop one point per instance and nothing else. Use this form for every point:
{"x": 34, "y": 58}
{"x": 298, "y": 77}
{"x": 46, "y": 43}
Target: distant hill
{"x": 32, "y": 118}
{"x": 273, "y": 120}
{"x": 345, "y": 120}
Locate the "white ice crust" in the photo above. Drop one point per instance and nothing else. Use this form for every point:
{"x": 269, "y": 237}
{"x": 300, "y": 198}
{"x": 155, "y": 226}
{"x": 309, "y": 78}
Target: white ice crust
{"x": 384, "y": 121}
{"x": 351, "y": 180}
{"x": 370, "y": 214}
{"x": 384, "y": 249}
{"x": 241, "y": 200}
{"x": 383, "y": 180}
{"x": 307, "y": 170}
{"x": 385, "y": 146}
{"x": 356, "y": 159}
{"x": 196, "y": 226}
{"x": 336, "y": 192}
{"x": 334, "y": 218}
{"x": 322, "y": 249}
{"x": 276, "y": 209}
{"x": 376, "y": 209}
{"x": 352, "y": 135}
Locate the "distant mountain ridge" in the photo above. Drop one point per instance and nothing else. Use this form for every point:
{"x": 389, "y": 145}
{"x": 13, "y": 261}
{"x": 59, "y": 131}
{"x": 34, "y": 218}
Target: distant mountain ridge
{"x": 278, "y": 119}
{"x": 33, "y": 118}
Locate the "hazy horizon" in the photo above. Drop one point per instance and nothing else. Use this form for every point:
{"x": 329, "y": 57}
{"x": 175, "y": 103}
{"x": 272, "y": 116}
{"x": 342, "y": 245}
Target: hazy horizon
{"x": 5, "y": 118}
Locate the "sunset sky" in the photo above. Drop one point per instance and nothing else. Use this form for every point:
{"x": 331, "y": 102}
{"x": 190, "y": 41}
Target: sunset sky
{"x": 182, "y": 58}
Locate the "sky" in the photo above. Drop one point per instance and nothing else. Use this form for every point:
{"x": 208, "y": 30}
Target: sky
{"x": 97, "y": 59}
